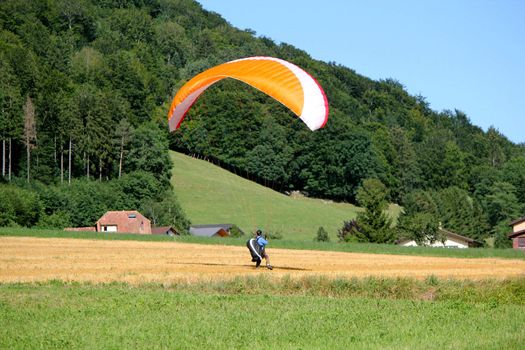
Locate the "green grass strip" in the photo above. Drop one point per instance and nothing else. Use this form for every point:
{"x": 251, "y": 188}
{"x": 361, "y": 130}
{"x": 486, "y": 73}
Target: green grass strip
{"x": 119, "y": 316}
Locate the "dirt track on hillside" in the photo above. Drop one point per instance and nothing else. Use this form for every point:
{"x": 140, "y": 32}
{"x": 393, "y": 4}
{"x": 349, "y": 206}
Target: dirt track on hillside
{"x": 25, "y": 259}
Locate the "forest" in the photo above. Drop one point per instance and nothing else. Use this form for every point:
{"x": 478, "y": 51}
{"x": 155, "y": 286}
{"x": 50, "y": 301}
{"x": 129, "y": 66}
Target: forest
{"x": 85, "y": 87}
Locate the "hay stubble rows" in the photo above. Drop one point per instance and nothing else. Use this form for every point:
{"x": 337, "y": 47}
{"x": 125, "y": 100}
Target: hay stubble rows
{"x": 26, "y": 259}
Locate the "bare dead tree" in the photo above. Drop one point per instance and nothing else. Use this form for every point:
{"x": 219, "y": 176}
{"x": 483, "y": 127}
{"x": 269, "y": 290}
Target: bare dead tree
{"x": 29, "y": 131}
{"x": 124, "y": 133}
{"x": 69, "y": 159}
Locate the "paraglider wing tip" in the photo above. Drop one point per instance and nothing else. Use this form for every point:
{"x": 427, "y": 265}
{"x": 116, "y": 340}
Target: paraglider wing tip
{"x": 314, "y": 112}
{"x": 178, "y": 110}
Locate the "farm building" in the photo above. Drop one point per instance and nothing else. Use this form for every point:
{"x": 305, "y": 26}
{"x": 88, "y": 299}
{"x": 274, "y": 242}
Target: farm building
{"x": 130, "y": 221}
{"x": 450, "y": 240}
{"x": 213, "y": 230}
{"x": 165, "y": 230}
{"x": 124, "y": 221}
{"x": 518, "y": 233}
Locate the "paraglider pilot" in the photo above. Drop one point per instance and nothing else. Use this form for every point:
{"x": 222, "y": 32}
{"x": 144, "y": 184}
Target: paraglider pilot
{"x": 256, "y": 247}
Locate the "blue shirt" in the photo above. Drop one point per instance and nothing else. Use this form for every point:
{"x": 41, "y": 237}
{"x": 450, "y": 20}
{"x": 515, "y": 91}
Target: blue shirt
{"x": 261, "y": 241}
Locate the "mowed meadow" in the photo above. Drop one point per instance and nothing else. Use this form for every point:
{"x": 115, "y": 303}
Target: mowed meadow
{"x": 292, "y": 316}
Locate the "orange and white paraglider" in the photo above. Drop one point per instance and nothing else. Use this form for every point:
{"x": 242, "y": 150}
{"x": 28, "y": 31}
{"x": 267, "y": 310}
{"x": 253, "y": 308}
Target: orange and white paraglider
{"x": 282, "y": 80}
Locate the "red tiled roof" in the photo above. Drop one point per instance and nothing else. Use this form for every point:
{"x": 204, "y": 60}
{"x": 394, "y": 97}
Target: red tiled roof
{"x": 112, "y": 215}
{"x": 130, "y": 221}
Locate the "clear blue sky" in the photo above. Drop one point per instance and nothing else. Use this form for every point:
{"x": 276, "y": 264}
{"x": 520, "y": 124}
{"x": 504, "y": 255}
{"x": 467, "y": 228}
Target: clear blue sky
{"x": 465, "y": 54}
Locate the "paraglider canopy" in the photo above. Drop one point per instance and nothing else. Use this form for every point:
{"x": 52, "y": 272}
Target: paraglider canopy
{"x": 282, "y": 80}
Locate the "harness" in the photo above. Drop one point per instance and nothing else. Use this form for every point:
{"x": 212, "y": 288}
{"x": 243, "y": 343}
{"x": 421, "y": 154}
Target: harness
{"x": 253, "y": 248}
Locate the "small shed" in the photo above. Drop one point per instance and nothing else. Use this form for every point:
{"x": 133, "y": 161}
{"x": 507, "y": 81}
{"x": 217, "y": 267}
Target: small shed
{"x": 165, "y": 230}
{"x": 451, "y": 240}
{"x": 212, "y": 230}
{"x": 518, "y": 233}
{"x": 124, "y": 221}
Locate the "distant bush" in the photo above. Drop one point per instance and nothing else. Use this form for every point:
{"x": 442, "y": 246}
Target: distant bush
{"x": 59, "y": 219}
{"x": 138, "y": 186}
{"x": 501, "y": 240}
{"x": 18, "y": 206}
{"x": 166, "y": 211}
{"x": 236, "y": 232}
{"x": 322, "y": 235}
{"x": 347, "y": 233}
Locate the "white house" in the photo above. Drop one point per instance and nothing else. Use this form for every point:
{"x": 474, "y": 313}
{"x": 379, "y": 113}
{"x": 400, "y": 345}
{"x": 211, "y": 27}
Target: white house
{"x": 450, "y": 240}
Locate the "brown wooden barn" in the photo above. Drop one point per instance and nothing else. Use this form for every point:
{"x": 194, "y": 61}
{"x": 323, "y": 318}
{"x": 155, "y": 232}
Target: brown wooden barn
{"x": 213, "y": 230}
{"x": 165, "y": 230}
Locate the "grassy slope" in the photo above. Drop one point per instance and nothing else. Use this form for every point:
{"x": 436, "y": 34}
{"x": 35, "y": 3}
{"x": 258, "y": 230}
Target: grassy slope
{"x": 210, "y": 194}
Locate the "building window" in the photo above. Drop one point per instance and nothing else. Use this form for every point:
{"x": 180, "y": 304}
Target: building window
{"x": 521, "y": 242}
{"x": 109, "y": 228}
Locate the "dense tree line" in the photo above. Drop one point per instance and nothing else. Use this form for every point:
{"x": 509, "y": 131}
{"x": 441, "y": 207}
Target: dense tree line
{"x": 82, "y": 203}
{"x": 85, "y": 87}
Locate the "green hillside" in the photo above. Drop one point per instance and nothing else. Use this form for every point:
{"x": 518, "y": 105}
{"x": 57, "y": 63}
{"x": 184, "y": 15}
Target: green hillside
{"x": 210, "y": 194}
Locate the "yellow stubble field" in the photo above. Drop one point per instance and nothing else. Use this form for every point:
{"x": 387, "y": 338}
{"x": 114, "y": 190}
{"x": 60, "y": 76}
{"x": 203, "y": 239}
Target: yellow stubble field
{"x": 28, "y": 259}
